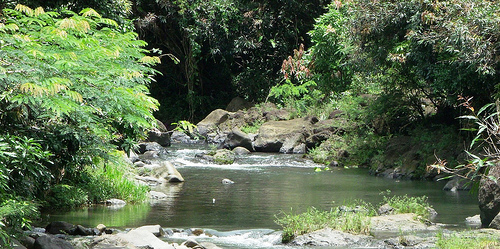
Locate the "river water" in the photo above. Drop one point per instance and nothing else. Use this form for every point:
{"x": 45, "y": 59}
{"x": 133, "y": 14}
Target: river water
{"x": 243, "y": 213}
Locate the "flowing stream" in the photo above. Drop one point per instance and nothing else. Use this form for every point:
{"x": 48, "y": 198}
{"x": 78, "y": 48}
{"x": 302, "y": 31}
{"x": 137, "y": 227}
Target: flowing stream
{"x": 242, "y": 215}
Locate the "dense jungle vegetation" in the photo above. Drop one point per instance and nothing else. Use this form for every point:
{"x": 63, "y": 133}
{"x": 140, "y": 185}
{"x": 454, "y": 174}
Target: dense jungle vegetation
{"x": 81, "y": 80}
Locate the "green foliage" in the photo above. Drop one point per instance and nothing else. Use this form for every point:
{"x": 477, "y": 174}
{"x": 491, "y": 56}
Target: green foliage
{"x": 465, "y": 240}
{"x": 351, "y": 218}
{"x": 187, "y": 128}
{"x": 22, "y": 167}
{"x": 112, "y": 180}
{"x": 66, "y": 196}
{"x": 330, "y": 50}
{"x": 409, "y": 204}
{"x": 253, "y": 127}
{"x": 75, "y": 82}
{"x": 15, "y": 216}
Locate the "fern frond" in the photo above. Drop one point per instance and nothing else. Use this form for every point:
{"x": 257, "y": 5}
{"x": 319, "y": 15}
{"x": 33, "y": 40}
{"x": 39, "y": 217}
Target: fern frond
{"x": 39, "y": 11}
{"x": 33, "y": 89}
{"x": 90, "y": 12}
{"x": 24, "y": 9}
{"x": 150, "y": 60}
{"x": 83, "y": 26}
{"x": 36, "y": 53}
{"x": 66, "y": 23}
{"x": 53, "y": 89}
{"x": 108, "y": 22}
{"x": 77, "y": 97}
{"x": 9, "y": 27}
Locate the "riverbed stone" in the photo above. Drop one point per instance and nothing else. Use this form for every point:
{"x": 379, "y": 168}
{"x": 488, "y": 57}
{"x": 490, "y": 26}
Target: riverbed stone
{"x": 457, "y": 183}
{"x": 144, "y": 239}
{"x": 241, "y": 151}
{"x": 156, "y": 230}
{"x": 162, "y": 138}
{"x": 398, "y": 223}
{"x": 332, "y": 238}
{"x": 385, "y": 209}
{"x": 115, "y": 202}
{"x": 238, "y": 103}
{"x": 237, "y": 138}
{"x": 60, "y": 227}
{"x": 51, "y": 242}
{"x": 473, "y": 221}
{"x": 210, "y": 122}
{"x": 149, "y": 146}
{"x": 489, "y": 196}
{"x": 168, "y": 172}
{"x": 273, "y": 134}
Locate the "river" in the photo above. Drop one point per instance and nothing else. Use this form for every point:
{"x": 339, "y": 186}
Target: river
{"x": 243, "y": 213}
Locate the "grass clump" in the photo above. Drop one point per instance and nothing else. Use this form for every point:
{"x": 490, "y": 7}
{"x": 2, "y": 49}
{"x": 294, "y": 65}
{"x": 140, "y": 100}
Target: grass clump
{"x": 97, "y": 183}
{"x": 353, "y": 218}
{"x": 408, "y": 204}
{"x": 466, "y": 240}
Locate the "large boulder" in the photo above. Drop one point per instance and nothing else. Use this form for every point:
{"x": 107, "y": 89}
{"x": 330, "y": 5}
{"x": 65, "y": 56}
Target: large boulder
{"x": 238, "y": 103}
{"x": 237, "y": 138}
{"x": 210, "y": 123}
{"x": 60, "y": 227}
{"x": 168, "y": 172}
{"x": 51, "y": 242}
{"x": 489, "y": 197}
{"x": 273, "y": 134}
{"x": 162, "y": 138}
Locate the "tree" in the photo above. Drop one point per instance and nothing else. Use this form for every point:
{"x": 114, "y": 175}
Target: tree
{"x": 74, "y": 83}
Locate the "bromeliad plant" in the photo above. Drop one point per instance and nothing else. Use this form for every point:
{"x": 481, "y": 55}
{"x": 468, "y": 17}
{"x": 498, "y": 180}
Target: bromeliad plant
{"x": 486, "y": 123}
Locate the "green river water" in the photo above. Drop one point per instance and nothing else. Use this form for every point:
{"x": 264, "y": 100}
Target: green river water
{"x": 265, "y": 185}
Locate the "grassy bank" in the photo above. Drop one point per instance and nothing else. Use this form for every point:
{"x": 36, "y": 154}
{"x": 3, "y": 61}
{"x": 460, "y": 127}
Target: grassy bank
{"x": 351, "y": 218}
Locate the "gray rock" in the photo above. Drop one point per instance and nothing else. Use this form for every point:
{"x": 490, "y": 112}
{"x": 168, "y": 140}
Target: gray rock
{"x": 398, "y": 224}
{"x": 238, "y": 103}
{"x": 457, "y": 183}
{"x": 473, "y": 221}
{"x": 162, "y": 138}
{"x": 237, "y": 138}
{"x": 51, "y": 242}
{"x": 150, "y": 180}
{"x": 332, "y": 238}
{"x": 209, "y": 123}
{"x": 273, "y": 135}
{"x": 15, "y": 244}
{"x": 60, "y": 227}
{"x": 168, "y": 172}
{"x": 144, "y": 239}
{"x": 489, "y": 197}
{"x": 208, "y": 245}
{"x": 115, "y": 202}
{"x": 385, "y": 209}
{"x": 150, "y": 146}
{"x": 411, "y": 241}
{"x": 241, "y": 151}
{"x": 190, "y": 243}
{"x": 156, "y": 230}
